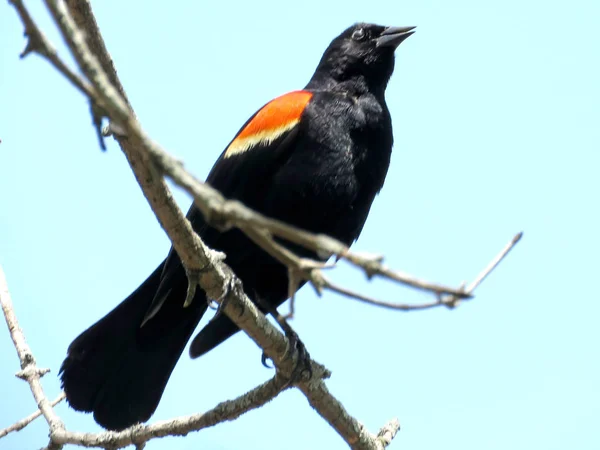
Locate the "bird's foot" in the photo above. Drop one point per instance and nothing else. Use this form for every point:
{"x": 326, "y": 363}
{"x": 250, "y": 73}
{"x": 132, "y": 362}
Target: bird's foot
{"x": 296, "y": 350}
{"x": 302, "y": 368}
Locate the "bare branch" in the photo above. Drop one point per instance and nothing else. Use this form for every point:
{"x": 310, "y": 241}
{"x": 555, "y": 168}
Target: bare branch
{"x": 327, "y": 284}
{"x": 29, "y": 370}
{"x": 83, "y": 16}
{"x": 449, "y": 301}
{"x": 38, "y": 43}
{"x": 140, "y": 434}
{"x": 494, "y": 263}
{"x": 350, "y": 429}
{"x": 18, "y": 426}
{"x": 388, "y": 432}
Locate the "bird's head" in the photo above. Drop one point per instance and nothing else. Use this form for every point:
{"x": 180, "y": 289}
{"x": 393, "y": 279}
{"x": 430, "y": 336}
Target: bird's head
{"x": 363, "y": 50}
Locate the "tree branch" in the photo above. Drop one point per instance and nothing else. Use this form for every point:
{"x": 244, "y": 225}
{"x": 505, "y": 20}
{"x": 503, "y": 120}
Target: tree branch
{"x": 19, "y": 425}
{"x": 450, "y": 301}
{"x": 181, "y": 426}
{"x": 29, "y": 369}
{"x": 37, "y": 43}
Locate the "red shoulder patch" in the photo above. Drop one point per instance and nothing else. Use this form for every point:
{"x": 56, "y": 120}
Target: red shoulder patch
{"x": 275, "y": 118}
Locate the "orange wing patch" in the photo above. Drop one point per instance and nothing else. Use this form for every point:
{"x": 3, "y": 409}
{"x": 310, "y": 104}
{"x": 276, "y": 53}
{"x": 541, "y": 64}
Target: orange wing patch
{"x": 274, "y": 119}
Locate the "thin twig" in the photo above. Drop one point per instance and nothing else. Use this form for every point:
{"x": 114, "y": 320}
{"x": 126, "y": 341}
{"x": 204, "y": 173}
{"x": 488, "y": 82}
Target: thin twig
{"x": 494, "y": 263}
{"x": 449, "y": 301}
{"x": 38, "y": 43}
{"x": 19, "y": 425}
{"x": 29, "y": 370}
{"x": 180, "y": 426}
{"x": 327, "y": 284}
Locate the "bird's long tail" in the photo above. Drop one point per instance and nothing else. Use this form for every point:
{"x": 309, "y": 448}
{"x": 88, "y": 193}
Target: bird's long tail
{"x": 117, "y": 369}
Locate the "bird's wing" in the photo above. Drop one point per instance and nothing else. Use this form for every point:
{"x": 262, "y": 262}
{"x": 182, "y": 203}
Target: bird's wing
{"x": 242, "y": 172}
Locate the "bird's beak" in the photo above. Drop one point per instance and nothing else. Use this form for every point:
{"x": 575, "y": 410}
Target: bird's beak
{"x": 393, "y": 36}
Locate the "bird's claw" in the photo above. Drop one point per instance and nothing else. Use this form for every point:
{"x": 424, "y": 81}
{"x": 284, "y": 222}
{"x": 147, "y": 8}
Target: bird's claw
{"x": 221, "y": 304}
{"x": 264, "y": 359}
{"x": 302, "y": 368}
{"x": 296, "y": 350}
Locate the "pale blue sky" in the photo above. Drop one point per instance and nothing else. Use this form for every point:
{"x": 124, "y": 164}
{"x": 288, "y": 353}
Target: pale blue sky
{"x": 496, "y": 120}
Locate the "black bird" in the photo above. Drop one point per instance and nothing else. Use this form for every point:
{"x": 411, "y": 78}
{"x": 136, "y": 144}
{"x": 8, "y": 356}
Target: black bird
{"x": 314, "y": 158}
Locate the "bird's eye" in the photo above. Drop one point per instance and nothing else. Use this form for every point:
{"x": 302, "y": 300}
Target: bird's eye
{"x": 359, "y": 34}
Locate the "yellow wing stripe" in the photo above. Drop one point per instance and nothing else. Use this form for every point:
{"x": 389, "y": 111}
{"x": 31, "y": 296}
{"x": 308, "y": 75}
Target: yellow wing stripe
{"x": 273, "y": 120}
{"x": 240, "y": 145}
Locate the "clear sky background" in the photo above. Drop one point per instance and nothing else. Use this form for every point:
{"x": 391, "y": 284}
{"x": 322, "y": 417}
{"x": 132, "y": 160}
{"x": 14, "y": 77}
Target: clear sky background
{"x": 496, "y": 121}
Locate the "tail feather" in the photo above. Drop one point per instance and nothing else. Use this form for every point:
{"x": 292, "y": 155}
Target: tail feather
{"x": 212, "y": 335}
{"x": 118, "y": 370}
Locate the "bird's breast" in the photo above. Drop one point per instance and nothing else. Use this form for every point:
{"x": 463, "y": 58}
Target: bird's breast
{"x": 338, "y": 166}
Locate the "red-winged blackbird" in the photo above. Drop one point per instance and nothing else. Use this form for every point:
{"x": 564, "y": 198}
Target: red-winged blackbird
{"x": 314, "y": 158}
